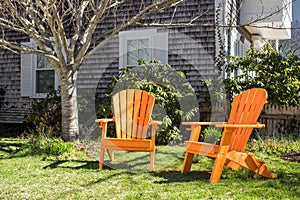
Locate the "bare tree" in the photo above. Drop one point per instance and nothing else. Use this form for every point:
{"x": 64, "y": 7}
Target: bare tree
{"x": 292, "y": 45}
{"x": 64, "y": 32}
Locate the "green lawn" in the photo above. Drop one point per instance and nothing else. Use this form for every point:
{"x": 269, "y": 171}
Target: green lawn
{"x": 77, "y": 177}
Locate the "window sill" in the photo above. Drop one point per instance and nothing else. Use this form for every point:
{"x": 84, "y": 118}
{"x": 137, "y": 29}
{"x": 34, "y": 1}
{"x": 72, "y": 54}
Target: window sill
{"x": 39, "y": 95}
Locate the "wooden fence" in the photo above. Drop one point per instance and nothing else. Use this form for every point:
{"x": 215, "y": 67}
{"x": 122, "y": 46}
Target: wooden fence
{"x": 280, "y": 121}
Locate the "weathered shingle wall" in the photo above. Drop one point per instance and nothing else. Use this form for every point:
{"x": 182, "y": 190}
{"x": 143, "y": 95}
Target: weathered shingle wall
{"x": 14, "y": 108}
{"x": 191, "y": 50}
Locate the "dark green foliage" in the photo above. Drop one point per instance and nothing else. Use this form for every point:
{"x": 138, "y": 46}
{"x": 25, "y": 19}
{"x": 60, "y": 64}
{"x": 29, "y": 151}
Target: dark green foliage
{"x": 212, "y": 135}
{"x": 2, "y": 94}
{"x": 45, "y": 127}
{"x": 267, "y": 68}
{"x": 174, "y": 96}
{"x": 45, "y": 118}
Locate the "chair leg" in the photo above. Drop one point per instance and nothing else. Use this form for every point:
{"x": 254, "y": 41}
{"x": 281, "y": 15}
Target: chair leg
{"x": 152, "y": 160}
{"x": 258, "y": 167}
{"x": 101, "y": 158}
{"x": 187, "y": 164}
{"x": 218, "y": 165}
{"x": 110, "y": 154}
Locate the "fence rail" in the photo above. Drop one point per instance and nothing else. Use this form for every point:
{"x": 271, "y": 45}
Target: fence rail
{"x": 281, "y": 120}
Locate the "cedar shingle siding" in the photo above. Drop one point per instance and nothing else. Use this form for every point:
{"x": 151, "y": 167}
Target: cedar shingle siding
{"x": 190, "y": 49}
{"x": 14, "y": 108}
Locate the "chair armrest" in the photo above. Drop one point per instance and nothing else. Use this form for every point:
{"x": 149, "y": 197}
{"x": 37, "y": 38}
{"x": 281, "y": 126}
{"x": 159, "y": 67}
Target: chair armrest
{"x": 104, "y": 120}
{"x": 103, "y": 125}
{"x": 196, "y": 128}
{"x": 154, "y": 125}
{"x": 258, "y": 125}
{"x": 199, "y": 124}
{"x": 203, "y": 123}
{"x": 153, "y": 122}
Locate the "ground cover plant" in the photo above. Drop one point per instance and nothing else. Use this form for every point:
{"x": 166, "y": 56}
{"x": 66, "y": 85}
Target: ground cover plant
{"x": 26, "y": 174}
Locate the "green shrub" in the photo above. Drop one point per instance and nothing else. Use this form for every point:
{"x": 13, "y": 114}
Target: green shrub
{"x": 45, "y": 117}
{"x": 212, "y": 135}
{"x": 266, "y": 68}
{"x": 2, "y": 94}
{"x": 169, "y": 88}
{"x": 50, "y": 146}
{"x": 44, "y": 127}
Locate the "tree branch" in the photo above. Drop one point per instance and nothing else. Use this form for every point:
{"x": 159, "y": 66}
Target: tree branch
{"x": 16, "y": 48}
{"x": 146, "y": 12}
{"x": 85, "y": 39}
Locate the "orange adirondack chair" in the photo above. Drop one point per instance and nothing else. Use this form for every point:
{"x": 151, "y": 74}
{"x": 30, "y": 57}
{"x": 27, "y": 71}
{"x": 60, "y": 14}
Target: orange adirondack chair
{"x": 132, "y": 116}
{"x": 246, "y": 108}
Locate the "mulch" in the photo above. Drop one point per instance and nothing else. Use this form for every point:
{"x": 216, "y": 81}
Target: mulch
{"x": 293, "y": 156}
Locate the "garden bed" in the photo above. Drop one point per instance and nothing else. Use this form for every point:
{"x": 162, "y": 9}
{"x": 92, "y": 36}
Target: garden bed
{"x": 293, "y": 156}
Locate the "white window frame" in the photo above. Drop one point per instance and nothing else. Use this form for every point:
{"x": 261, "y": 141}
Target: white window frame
{"x": 28, "y": 74}
{"x": 158, "y": 44}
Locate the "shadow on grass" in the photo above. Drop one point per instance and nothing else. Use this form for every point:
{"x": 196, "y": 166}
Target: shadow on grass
{"x": 283, "y": 182}
{"x": 83, "y": 164}
{"x": 141, "y": 163}
{"x": 177, "y": 176}
{"x": 128, "y": 162}
{"x": 68, "y": 164}
{"x": 10, "y": 148}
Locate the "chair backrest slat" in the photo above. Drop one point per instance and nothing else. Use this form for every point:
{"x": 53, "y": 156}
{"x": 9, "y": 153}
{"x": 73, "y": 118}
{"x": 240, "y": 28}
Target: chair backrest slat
{"x": 132, "y": 112}
{"x": 146, "y": 109}
{"x": 117, "y": 114}
{"x": 246, "y": 108}
{"x": 124, "y": 113}
{"x": 136, "y": 113}
{"x": 244, "y": 102}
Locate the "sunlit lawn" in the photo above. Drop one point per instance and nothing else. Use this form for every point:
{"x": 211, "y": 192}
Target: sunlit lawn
{"x": 40, "y": 177}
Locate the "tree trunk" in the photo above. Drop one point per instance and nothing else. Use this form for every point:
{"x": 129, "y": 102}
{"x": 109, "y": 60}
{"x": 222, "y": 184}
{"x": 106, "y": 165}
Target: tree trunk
{"x": 70, "y": 130}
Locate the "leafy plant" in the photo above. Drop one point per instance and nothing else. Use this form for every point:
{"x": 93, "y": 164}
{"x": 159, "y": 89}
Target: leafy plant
{"x": 45, "y": 118}
{"x": 50, "y": 146}
{"x": 44, "y": 127}
{"x": 2, "y": 94}
{"x": 273, "y": 145}
{"x": 212, "y": 135}
{"x": 173, "y": 96}
{"x": 266, "y": 68}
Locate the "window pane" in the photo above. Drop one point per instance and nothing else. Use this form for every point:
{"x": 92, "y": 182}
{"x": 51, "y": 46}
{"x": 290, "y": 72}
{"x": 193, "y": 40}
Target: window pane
{"x": 137, "y": 50}
{"x": 132, "y": 53}
{"x": 143, "y": 49}
{"x": 44, "y": 80}
{"x": 43, "y": 63}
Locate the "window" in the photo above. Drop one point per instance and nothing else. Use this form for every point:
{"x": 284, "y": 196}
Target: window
{"x": 45, "y": 76}
{"x": 37, "y": 75}
{"x": 239, "y": 48}
{"x": 137, "y": 50}
{"x": 142, "y": 44}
